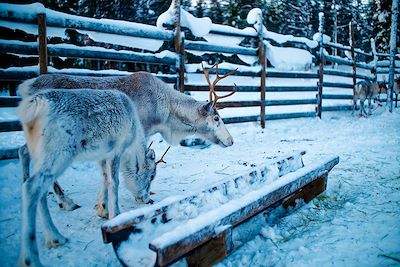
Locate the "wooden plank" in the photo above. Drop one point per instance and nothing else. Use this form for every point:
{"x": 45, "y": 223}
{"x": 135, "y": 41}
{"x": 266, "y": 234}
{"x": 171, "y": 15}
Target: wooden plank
{"x": 337, "y": 108}
{"x": 119, "y": 229}
{"x": 271, "y": 73}
{"x": 8, "y": 153}
{"x": 10, "y": 126}
{"x": 290, "y": 115}
{"x": 241, "y": 119}
{"x": 347, "y": 74}
{"x": 23, "y": 75}
{"x": 244, "y": 210}
{"x": 212, "y": 251}
{"x": 334, "y": 96}
{"x": 308, "y": 192}
{"x": 341, "y": 85}
{"x": 26, "y": 48}
{"x": 9, "y": 101}
{"x": 78, "y": 52}
{"x": 204, "y": 46}
{"x": 90, "y": 24}
{"x": 263, "y": 63}
{"x": 256, "y": 103}
{"x": 205, "y": 88}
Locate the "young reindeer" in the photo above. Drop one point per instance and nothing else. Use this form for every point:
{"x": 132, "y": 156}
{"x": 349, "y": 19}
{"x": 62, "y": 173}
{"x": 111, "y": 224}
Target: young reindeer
{"x": 365, "y": 90}
{"x": 63, "y": 125}
{"x": 161, "y": 110}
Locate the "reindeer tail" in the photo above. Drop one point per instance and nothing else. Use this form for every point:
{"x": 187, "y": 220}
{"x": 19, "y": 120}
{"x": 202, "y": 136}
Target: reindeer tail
{"x": 25, "y": 88}
{"x": 31, "y": 108}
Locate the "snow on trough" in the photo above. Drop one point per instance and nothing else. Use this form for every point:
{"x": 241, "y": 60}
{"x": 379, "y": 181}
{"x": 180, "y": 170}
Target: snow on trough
{"x": 355, "y": 222}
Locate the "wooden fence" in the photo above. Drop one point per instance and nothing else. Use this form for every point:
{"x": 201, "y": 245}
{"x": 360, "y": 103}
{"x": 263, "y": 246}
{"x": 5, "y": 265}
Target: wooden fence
{"x": 176, "y": 49}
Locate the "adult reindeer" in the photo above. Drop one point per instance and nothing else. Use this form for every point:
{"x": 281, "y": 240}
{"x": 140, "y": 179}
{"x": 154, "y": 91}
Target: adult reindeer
{"x": 161, "y": 109}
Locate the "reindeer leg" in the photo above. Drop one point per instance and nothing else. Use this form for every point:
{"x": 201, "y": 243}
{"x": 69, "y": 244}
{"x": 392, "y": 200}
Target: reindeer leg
{"x": 52, "y": 235}
{"x": 354, "y": 106}
{"x": 397, "y": 95}
{"x": 25, "y": 159}
{"x": 369, "y": 107}
{"x": 113, "y": 187}
{"x": 31, "y": 192}
{"x": 102, "y": 199}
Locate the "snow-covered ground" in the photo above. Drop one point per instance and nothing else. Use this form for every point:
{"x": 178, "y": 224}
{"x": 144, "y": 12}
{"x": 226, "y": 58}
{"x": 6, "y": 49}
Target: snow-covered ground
{"x": 356, "y": 222}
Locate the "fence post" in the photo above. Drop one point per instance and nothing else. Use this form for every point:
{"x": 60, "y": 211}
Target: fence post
{"x": 321, "y": 63}
{"x": 392, "y": 62}
{"x": 375, "y": 70}
{"x": 42, "y": 39}
{"x": 353, "y": 57}
{"x": 261, "y": 57}
{"x": 179, "y": 47}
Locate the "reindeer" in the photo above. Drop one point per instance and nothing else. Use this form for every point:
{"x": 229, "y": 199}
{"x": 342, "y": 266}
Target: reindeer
{"x": 161, "y": 109}
{"x": 396, "y": 88}
{"x": 367, "y": 90}
{"x": 63, "y": 125}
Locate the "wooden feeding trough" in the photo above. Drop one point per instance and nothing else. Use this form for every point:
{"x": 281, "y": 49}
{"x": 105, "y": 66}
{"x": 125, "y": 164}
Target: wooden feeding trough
{"x": 205, "y": 227}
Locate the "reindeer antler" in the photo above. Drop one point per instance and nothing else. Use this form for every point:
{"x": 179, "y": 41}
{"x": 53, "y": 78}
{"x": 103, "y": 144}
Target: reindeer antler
{"x": 161, "y": 160}
{"x": 213, "y": 95}
{"x": 150, "y": 145}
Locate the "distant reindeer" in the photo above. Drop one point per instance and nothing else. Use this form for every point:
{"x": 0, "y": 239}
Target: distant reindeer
{"x": 63, "y": 125}
{"x": 365, "y": 90}
{"x": 396, "y": 88}
{"x": 161, "y": 109}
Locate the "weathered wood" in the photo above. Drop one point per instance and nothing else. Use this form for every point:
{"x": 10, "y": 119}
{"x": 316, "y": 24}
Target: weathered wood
{"x": 341, "y": 85}
{"x": 336, "y": 96}
{"x": 244, "y": 209}
{"x": 179, "y": 46}
{"x": 289, "y": 115}
{"x": 203, "y": 46}
{"x": 10, "y": 126}
{"x": 212, "y": 251}
{"x": 347, "y": 74}
{"x": 9, "y": 101}
{"x": 90, "y": 25}
{"x": 337, "y": 108}
{"x": 8, "y": 153}
{"x": 241, "y": 119}
{"x": 348, "y": 48}
{"x": 262, "y": 61}
{"x": 269, "y": 74}
{"x": 118, "y": 229}
{"x": 78, "y": 52}
{"x": 42, "y": 40}
{"x": 373, "y": 48}
{"x": 249, "y": 88}
{"x": 26, "y": 48}
{"x": 353, "y": 57}
{"x": 320, "y": 83}
{"x": 256, "y": 103}
{"x": 308, "y": 192}
{"x": 393, "y": 49}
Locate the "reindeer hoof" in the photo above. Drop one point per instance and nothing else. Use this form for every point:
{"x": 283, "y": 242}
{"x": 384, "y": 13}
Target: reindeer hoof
{"x": 56, "y": 242}
{"x": 29, "y": 261}
{"x": 151, "y": 202}
{"x": 101, "y": 210}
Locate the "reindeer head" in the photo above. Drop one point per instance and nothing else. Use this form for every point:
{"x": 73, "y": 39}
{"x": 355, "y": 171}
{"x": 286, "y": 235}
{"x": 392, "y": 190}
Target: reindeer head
{"x": 211, "y": 126}
{"x": 145, "y": 172}
{"x": 382, "y": 86}
{"x": 139, "y": 172}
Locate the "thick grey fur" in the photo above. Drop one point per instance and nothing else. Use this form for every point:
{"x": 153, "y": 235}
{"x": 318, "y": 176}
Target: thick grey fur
{"x": 64, "y": 125}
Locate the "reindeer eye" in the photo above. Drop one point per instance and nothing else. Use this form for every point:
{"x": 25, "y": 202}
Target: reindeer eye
{"x": 216, "y": 118}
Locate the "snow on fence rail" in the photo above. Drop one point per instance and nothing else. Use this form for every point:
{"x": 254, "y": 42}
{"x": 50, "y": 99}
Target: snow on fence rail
{"x": 262, "y": 93}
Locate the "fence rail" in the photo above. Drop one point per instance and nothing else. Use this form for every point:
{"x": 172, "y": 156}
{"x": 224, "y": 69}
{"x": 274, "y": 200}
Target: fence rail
{"x": 177, "y": 49}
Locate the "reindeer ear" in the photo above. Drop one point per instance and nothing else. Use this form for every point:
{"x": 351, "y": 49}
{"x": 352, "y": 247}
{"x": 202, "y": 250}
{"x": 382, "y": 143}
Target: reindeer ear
{"x": 206, "y": 109}
{"x": 151, "y": 154}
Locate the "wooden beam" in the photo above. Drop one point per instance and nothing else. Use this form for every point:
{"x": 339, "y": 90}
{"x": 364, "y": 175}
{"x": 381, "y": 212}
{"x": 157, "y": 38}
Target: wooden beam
{"x": 212, "y": 251}
{"x": 8, "y": 153}
{"x": 9, "y": 101}
{"x": 42, "y": 40}
{"x": 204, "y": 46}
{"x": 10, "y": 126}
{"x": 341, "y": 85}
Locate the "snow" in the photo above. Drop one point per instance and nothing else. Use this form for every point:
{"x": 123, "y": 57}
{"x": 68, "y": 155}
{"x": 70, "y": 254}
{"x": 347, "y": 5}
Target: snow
{"x": 317, "y": 37}
{"x": 355, "y": 222}
{"x": 198, "y": 26}
{"x": 288, "y": 58}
